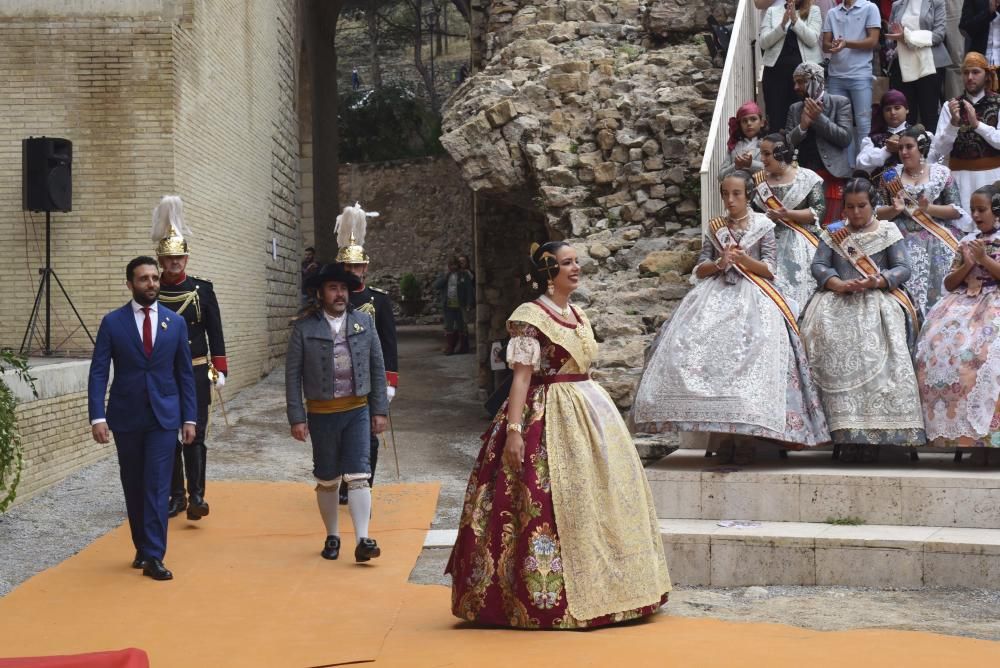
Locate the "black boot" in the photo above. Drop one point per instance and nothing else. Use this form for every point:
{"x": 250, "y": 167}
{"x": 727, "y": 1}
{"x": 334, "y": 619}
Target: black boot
{"x": 194, "y": 465}
{"x": 178, "y": 502}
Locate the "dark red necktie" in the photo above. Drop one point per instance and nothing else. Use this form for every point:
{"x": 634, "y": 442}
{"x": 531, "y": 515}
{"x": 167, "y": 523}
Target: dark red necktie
{"x": 147, "y": 333}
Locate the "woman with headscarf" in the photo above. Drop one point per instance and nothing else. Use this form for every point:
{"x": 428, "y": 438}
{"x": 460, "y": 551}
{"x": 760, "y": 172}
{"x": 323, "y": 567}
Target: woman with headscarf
{"x": 880, "y": 149}
{"x": 923, "y": 200}
{"x": 789, "y": 35}
{"x": 820, "y": 128}
{"x": 745, "y": 130}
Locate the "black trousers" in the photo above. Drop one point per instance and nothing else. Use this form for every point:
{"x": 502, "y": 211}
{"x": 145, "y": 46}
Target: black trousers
{"x": 191, "y": 458}
{"x": 779, "y": 95}
{"x": 923, "y": 97}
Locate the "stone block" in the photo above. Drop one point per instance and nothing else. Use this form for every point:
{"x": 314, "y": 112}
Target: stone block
{"x": 689, "y": 561}
{"x": 738, "y": 564}
{"x": 630, "y": 139}
{"x": 946, "y": 569}
{"x": 605, "y": 172}
{"x": 606, "y": 139}
{"x": 776, "y": 500}
{"x": 936, "y": 502}
{"x": 599, "y": 251}
{"x": 857, "y": 497}
{"x": 500, "y": 114}
{"x": 869, "y": 567}
{"x": 561, "y": 176}
{"x": 567, "y": 82}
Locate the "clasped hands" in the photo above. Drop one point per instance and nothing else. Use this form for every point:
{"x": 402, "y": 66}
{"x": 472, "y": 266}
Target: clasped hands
{"x": 811, "y": 110}
{"x": 899, "y": 204}
{"x": 973, "y": 252}
{"x": 956, "y": 116}
{"x": 860, "y": 284}
{"x": 732, "y": 255}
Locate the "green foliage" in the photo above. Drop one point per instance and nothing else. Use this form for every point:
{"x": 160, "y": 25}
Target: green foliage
{"x": 409, "y": 288}
{"x": 388, "y": 124}
{"x": 11, "y": 453}
{"x": 845, "y": 521}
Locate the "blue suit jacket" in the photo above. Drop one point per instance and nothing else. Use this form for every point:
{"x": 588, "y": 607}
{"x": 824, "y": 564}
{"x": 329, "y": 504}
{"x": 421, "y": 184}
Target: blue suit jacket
{"x": 165, "y": 379}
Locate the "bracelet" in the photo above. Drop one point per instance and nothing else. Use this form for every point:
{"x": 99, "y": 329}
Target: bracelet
{"x": 515, "y": 426}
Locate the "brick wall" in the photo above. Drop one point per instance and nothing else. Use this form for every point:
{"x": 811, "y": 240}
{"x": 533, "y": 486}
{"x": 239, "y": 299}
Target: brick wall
{"x": 195, "y": 97}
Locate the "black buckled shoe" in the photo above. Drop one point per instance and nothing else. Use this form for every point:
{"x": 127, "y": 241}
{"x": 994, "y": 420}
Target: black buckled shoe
{"x": 197, "y": 508}
{"x": 155, "y": 569}
{"x": 331, "y": 548}
{"x": 176, "y": 505}
{"x": 138, "y": 561}
{"x": 366, "y": 550}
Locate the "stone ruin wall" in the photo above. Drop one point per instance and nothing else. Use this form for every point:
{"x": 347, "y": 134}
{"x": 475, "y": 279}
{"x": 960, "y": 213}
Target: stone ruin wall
{"x": 592, "y": 116}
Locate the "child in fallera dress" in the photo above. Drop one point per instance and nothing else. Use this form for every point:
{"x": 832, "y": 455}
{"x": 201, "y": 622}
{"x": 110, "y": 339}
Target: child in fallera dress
{"x": 746, "y": 129}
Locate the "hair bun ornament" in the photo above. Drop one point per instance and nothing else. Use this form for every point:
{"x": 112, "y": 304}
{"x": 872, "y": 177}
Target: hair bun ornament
{"x": 533, "y": 249}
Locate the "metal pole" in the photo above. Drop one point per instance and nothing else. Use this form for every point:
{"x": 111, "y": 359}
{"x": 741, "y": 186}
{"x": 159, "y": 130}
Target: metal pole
{"x": 48, "y": 283}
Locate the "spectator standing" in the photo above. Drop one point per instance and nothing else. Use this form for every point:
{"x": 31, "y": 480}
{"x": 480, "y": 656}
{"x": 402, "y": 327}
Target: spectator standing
{"x": 978, "y": 22}
{"x": 850, "y": 35}
{"x": 355, "y": 79}
{"x": 309, "y": 267}
{"x": 918, "y": 28}
{"x": 457, "y": 290}
{"x": 819, "y": 128}
{"x": 789, "y": 36}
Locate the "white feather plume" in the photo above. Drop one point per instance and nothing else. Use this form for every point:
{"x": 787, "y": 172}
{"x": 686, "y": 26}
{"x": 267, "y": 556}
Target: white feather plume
{"x": 352, "y": 225}
{"x": 168, "y": 218}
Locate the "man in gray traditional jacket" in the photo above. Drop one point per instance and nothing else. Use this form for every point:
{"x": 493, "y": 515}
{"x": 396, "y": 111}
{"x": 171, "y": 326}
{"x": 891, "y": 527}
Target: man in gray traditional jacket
{"x": 335, "y": 360}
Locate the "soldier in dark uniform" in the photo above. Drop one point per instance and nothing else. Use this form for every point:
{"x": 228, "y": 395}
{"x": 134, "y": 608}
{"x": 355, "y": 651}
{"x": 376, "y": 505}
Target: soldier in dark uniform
{"x": 194, "y": 299}
{"x": 351, "y": 227}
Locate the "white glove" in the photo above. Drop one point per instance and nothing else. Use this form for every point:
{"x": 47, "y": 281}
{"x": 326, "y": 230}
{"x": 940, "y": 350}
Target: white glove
{"x": 390, "y": 392}
{"x": 220, "y": 381}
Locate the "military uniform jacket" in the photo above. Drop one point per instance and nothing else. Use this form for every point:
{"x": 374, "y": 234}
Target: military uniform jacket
{"x": 194, "y": 299}
{"x": 378, "y": 305}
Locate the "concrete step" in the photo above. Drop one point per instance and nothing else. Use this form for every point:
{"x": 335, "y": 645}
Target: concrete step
{"x": 700, "y": 552}
{"x": 812, "y": 487}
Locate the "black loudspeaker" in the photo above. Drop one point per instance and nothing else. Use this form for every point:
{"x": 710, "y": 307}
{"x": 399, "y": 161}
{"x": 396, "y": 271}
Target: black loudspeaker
{"x": 47, "y": 179}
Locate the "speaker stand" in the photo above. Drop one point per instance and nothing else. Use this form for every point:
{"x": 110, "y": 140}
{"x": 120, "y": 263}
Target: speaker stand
{"x": 45, "y": 286}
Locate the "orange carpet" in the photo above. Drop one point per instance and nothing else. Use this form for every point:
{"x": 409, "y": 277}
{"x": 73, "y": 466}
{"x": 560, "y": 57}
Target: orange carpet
{"x": 426, "y": 635}
{"x": 249, "y": 588}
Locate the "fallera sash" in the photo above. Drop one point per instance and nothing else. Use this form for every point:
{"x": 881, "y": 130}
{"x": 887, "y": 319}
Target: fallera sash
{"x": 721, "y": 238}
{"x": 772, "y": 202}
{"x": 867, "y": 268}
{"x": 894, "y": 185}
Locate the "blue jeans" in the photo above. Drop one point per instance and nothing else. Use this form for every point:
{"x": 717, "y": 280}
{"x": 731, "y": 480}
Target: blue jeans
{"x": 340, "y": 443}
{"x": 859, "y": 92}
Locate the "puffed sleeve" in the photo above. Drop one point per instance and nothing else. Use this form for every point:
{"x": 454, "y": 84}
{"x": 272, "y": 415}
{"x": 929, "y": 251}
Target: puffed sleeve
{"x": 816, "y": 202}
{"x": 899, "y": 265}
{"x": 822, "y": 265}
{"x": 524, "y": 347}
{"x": 769, "y": 250}
{"x": 708, "y": 252}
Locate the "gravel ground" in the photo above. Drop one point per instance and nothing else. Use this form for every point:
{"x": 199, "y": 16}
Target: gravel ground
{"x": 437, "y": 430}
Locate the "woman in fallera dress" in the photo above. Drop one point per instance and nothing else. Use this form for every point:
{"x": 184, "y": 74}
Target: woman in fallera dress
{"x": 858, "y": 330}
{"x": 558, "y": 529}
{"x": 730, "y": 361}
{"x": 958, "y": 352}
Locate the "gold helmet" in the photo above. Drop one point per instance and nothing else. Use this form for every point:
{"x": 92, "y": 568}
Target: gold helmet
{"x": 169, "y": 229}
{"x": 350, "y": 229}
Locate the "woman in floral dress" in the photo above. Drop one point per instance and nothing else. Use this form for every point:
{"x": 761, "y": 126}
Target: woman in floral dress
{"x": 558, "y": 530}
{"x": 932, "y": 187}
{"x": 958, "y": 352}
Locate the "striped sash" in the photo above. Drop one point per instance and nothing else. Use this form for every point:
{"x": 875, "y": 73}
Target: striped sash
{"x": 772, "y": 202}
{"x": 867, "y": 268}
{"x": 894, "y": 185}
{"x": 721, "y": 238}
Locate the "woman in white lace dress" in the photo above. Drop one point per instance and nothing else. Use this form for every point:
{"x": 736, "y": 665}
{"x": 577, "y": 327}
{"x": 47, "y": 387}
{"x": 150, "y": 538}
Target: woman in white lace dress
{"x": 858, "y": 329}
{"x": 730, "y": 361}
{"x": 801, "y": 194}
{"x": 934, "y": 190}
{"x": 958, "y": 353}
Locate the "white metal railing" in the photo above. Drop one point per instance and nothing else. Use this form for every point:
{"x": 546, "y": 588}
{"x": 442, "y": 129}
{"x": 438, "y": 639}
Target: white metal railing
{"x": 738, "y": 85}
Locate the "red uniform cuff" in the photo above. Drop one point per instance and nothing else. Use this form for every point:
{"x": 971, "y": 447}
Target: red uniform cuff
{"x": 220, "y": 364}
{"x": 392, "y": 378}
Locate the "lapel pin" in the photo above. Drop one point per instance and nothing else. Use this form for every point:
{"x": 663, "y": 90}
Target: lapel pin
{"x": 163, "y": 325}
{"x": 357, "y": 328}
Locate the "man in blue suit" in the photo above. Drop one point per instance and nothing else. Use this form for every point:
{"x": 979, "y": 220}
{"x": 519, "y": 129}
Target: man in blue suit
{"x": 152, "y": 397}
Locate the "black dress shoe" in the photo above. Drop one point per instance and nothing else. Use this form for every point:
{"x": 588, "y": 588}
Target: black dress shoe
{"x": 197, "y": 508}
{"x": 155, "y": 569}
{"x": 331, "y": 548}
{"x": 366, "y": 550}
{"x": 176, "y": 505}
{"x": 138, "y": 561}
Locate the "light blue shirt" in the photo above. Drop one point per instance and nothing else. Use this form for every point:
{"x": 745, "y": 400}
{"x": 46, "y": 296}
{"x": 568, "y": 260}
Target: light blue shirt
{"x": 852, "y": 24}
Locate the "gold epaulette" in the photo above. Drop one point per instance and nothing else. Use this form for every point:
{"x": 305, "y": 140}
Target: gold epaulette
{"x": 199, "y": 278}
{"x": 378, "y": 290}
